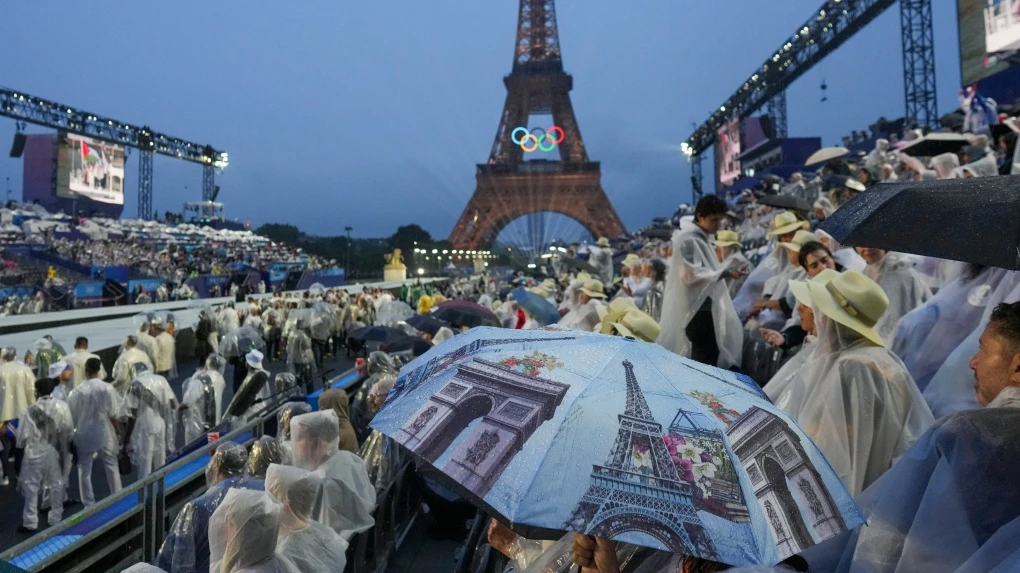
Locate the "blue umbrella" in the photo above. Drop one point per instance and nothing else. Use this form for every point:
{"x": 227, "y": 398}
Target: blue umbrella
{"x": 428, "y": 324}
{"x": 383, "y": 334}
{"x": 552, "y": 431}
{"x": 539, "y": 308}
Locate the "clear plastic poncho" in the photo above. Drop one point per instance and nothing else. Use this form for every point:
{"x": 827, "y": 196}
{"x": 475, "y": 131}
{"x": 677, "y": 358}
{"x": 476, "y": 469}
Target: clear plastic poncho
{"x": 384, "y": 459}
{"x": 393, "y": 312}
{"x": 124, "y": 367}
{"x": 310, "y": 545}
{"x": 202, "y": 398}
{"x": 265, "y": 452}
{"x": 347, "y": 497}
{"x": 46, "y": 427}
{"x": 751, "y": 291}
{"x": 165, "y": 354}
{"x": 602, "y": 259}
{"x": 93, "y": 403}
{"x": 582, "y": 317}
{"x": 240, "y": 341}
{"x": 18, "y": 384}
{"x": 928, "y": 334}
{"x": 322, "y": 320}
{"x": 856, "y": 401}
{"x": 694, "y": 276}
{"x": 950, "y": 504}
{"x": 243, "y": 534}
{"x": 904, "y": 287}
{"x": 152, "y": 399}
{"x": 951, "y": 388}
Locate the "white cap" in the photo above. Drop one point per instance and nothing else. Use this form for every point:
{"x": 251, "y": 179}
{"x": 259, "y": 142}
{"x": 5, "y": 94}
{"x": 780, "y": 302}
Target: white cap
{"x": 254, "y": 358}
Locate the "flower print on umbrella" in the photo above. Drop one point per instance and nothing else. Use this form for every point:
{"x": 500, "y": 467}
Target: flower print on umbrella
{"x": 531, "y": 364}
{"x": 685, "y": 468}
{"x": 724, "y": 414}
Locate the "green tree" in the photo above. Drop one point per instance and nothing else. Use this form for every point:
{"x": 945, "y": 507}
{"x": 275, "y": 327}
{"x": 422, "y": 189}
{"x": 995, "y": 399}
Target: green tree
{"x": 280, "y": 233}
{"x": 406, "y": 237}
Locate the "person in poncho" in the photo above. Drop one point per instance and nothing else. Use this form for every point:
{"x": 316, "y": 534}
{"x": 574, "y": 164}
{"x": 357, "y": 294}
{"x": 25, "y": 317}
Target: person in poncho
{"x": 902, "y": 284}
{"x": 18, "y": 385}
{"x": 151, "y": 408}
{"x": 698, "y": 318}
{"x": 852, "y": 396}
{"x": 44, "y": 433}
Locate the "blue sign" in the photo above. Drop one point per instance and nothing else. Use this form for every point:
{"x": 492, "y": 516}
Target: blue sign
{"x": 333, "y": 272}
{"x": 88, "y": 290}
{"x": 8, "y": 292}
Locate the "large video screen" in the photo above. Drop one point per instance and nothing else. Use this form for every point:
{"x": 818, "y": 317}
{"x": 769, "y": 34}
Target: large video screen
{"x": 989, "y": 34}
{"x": 89, "y": 168}
{"x": 727, "y": 154}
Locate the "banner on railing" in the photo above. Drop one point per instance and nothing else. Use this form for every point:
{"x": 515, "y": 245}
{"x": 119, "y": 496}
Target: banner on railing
{"x": 88, "y": 290}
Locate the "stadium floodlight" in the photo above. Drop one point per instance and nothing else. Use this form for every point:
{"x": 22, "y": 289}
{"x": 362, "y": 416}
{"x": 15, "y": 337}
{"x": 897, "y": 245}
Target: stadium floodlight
{"x": 421, "y": 271}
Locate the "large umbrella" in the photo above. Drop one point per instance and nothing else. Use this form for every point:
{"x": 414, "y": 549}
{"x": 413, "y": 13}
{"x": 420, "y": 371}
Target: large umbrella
{"x": 552, "y": 431}
{"x": 786, "y": 202}
{"x": 970, "y": 220}
{"x": 541, "y": 309}
{"x": 427, "y": 324}
{"x": 394, "y": 311}
{"x": 464, "y": 313}
{"x": 935, "y": 144}
{"x": 382, "y": 334}
{"x": 826, "y": 153}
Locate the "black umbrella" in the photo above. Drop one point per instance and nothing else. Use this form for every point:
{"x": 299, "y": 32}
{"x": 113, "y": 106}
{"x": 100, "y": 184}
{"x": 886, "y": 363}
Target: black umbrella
{"x": 428, "y": 324}
{"x": 936, "y": 144}
{"x": 464, "y": 313}
{"x": 579, "y": 265}
{"x": 971, "y": 220}
{"x": 381, "y": 334}
{"x": 786, "y": 202}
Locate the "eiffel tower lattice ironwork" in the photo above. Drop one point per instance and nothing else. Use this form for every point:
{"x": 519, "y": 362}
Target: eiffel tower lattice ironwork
{"x": 647, "y": 495}
{"x": 507, "y": 186}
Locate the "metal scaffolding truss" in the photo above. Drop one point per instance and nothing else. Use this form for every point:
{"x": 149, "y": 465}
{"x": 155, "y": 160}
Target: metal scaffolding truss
{"x": 23, "y": 107}
{"x": 919, "y": 63}
{"x": 830, "y": 26}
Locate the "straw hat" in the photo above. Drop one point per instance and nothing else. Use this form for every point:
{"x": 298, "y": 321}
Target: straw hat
{"x": 612, "y": 312}
{"x": 583, "y": 276}
{"x": 594, "y": 289}
{"x": 630, "y": 259}
{"x": 855, "y": 185}
{"x": 727, "y": 238}
{"x": 786, "y": 222}
{"x": 638, "y": 325}
{"x": 800, "y": 238}
{"x": 800, "y": 289}
{"x": 603, "y": 242}
{"x": 853, "y": 300}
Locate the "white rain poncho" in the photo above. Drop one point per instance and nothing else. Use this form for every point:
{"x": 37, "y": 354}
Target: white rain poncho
{"x": 736, "y": 261}
{"x": 227, "y": 320}
{"x": 18, "y": 384}
{"x": 93, "y": 403}
{"x": 124, "y": 368}
{"x": 203, "y": 395}
{"x": 750, "y": 292}
{"x": 928, "y": 334}
{"x": 694, "y": 276}
{"x": 76, "y": 360}
{"x": 583, "y": 317}
{"x": 152, "y": 403}
{"x": 166, "y": 351}
{"x": 347, "y": 497}
{"x": 45, "y": 434}
{"x": 310, "y": 545}
{"x": 283, "y": 418}
{"x": 938, "y": 272}
{"x": 146, "y": 342}
{"x": 602, "y": 259}
{"x": 904, "y": 287}
{"x": 951, "y": 389}
{"x": 950, "y": 504}
{"x": 442, "y": 335}
{"x": 394, "y": 312}
{"x": 570, "y": 302}
{"x": 776, "y": 387}
{"x": 778, "y": 288}
{"x": 856, "y": 401}
{"x": 243, "y": 533}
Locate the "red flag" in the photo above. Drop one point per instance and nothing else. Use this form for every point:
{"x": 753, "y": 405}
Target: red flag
{"x": 84, "y": 150}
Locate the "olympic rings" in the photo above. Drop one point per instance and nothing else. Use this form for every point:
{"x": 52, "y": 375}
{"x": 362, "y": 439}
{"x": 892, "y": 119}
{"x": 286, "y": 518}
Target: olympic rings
{"x": 530, "y": 142}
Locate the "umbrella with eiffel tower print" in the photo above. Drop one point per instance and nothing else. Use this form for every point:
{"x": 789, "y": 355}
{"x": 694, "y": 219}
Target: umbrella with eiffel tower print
{"x": 552, "y": 431}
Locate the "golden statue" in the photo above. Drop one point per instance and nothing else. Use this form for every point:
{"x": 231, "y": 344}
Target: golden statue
{"x": 394, "y": 262}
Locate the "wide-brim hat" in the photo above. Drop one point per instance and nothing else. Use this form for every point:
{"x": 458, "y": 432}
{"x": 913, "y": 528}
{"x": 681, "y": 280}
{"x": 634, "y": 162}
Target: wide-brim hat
{"x": 254, "y": 359}
{"x": 615, "y": 309}
{"x": 57, "y": 368}
{"x": 855, "y": 185}
{"x": 638, "y": 325}
{"x": 853, "y": 300}
{"x": 727, "y": 238}
{"x": 630, "y": 259}
{"x": 786, "y": 222}
{"x": 594, "y": 289}
{"x": 800, "y": 289}
{"x": 602, "y": 242}
{"x": 801, "y": 238}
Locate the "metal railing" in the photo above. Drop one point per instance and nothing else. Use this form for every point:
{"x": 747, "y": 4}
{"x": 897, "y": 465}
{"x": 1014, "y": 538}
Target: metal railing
{"x": 135, "y": 533}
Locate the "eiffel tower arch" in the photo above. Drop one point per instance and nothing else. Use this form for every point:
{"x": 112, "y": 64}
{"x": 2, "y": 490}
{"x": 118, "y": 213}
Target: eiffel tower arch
{"x": 507, "y": 186}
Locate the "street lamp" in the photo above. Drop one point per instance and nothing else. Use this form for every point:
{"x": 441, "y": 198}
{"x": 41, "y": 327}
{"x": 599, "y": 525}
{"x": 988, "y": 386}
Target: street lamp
{"x": 347, "y": 251}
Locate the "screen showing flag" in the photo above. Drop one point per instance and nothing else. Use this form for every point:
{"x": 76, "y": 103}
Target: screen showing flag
{"x": 727, "y": 154}
{"x": 989, "y": 37}
{"x": 90, "y": 169}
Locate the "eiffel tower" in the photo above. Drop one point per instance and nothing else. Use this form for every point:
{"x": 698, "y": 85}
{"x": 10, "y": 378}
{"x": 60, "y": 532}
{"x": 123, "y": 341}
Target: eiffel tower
{"x": 509, "y": 187}
{"x": 629, "y": 496}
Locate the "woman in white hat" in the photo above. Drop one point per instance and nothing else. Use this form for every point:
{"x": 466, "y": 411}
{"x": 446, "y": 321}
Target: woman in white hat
{"x": 585, "y": 316}
{"x": 601, "y": 258}
{"x": 903, "y": 285}
{"x": 784, "y": 226}
{"x": 852, "y": 396}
